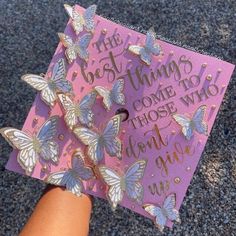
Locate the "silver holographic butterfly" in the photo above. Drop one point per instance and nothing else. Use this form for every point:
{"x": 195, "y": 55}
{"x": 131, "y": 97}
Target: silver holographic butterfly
{"x": 115, "y": 95}
{"x": 73, "y": 178}
{"x": 76, "y": 48}
{"x": 150, "y": 48}
{"x": 50, "y": 87}
{"x": 196, "y": 123}
{"x": 164, "y": 213}
{"x": 81, "y": 110}
{"x": 99, "y": 142}
{"x": 79, "y": 21}
{"x": 128, "y": 183}
{"x": 31, "y": 147}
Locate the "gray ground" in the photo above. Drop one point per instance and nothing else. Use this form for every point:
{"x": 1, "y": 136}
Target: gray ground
{"x": 28, "y": 40}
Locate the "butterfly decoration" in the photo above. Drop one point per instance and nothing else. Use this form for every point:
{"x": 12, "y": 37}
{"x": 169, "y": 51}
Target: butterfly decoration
{"x": 128, "y": 183}
{"x": 81, "y": 110}
{"x": 50, "y": 87}
{"x": 150, "y": 48}
{"x": 76, "y": 48}
{"x": 115, "y": 95}
{"x": 73, "y": 178}
{"x": 31, "y": 147}
{"x": 98, "y": 142}
{"x": 79, "y": 21}
{"x": 196, "y": 123}
{"x": 164, "y": 213}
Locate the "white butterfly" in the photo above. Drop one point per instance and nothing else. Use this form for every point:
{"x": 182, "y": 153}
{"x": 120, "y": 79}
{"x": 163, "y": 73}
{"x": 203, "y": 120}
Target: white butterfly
{"x": 99, "y": 142}
{"x": 73, "y": 178}
{"x": 114, "y": 95}
{"x": 150, "y": 48}
{"x": 31, "y": 147}
{"x": 81, "y": 110}
{"x": 77, "y": 48}
{"x": 195, "y": 123}
{"x": 128, "y": 183}
{"x": 80, "y": 21}
{"x": 49, "y": 87}
{"x": 164, "y": 213}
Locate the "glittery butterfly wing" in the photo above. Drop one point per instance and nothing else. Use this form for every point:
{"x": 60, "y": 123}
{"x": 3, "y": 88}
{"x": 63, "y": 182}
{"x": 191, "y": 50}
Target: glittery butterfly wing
{"x": 97, "y": 142}
{"x": 27, "y": 156}
{"x": 134, "y": 174}
{"x": 113, "y": 180}
{"x": 135, "y": 49}
{"x": 115, "y": 95}
{"x": 65, "y": 178}
{"x": 50, "y": 87}
{"x": 151, "y": 44}
{"x": 89, "y": 14}
{"x": 70, "y": 109}
{"x": 117, "y": 92}
{"x": 72, "y": 178}
{"x": 71, "y": 49}
{"x": 185, "y": 123}
{"x": 47, "y": 94}
{"x": 49, "y": 149}
{"x": 58, "y": 77}
{"x": 106, "y": 96}
{"x": 145, "y": 52}
{"x": 85, "y": 112}
{"x": 150, "y": 48}
{"x": 82, "y": 110}
{"x": 31, "y": 148}
{"x": 77, "y": 18}
{"x": 91, "y": 139}
{"x": 155, "y": 211}
{"x": 169, "y": 208}
{"x": 111, "y": 142}
{"x": 199, "y": 124}
{"x": 196, "y": 123}
{"x": 78, "y": 164}
{"x": 81, "y": 46}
